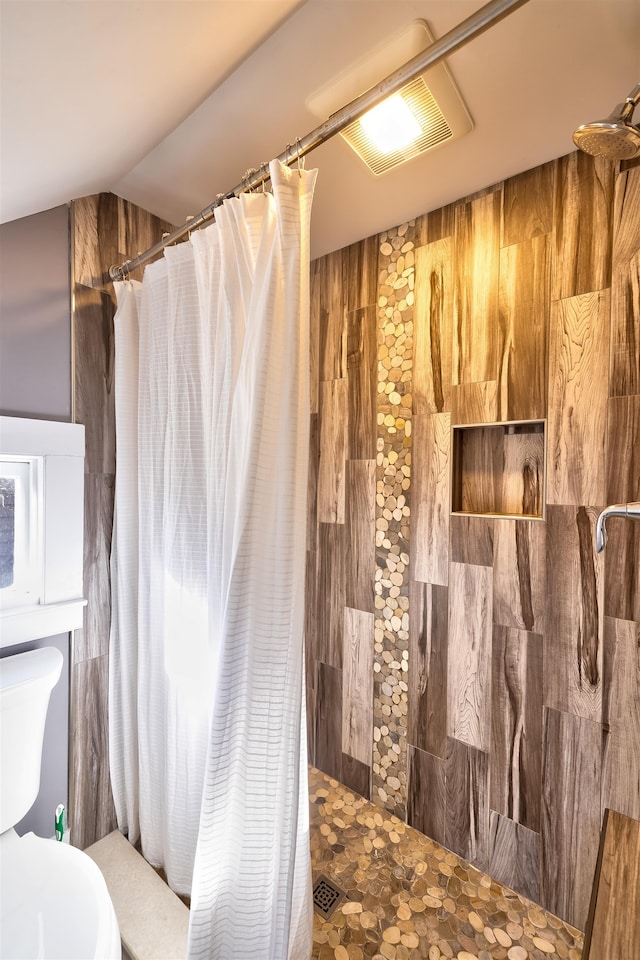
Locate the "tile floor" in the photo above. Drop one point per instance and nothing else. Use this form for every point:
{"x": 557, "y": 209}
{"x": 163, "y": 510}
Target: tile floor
{"x": 409, "y": 898}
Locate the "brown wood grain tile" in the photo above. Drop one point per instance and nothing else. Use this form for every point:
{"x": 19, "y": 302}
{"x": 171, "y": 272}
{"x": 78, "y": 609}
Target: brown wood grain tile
{"x": 93, "y": 639}
{"x": 356, "y": 776}
{"x": 524, "y": 316}
{"x": 93, "y": 376}
{"x": 360, "y": 274}
{"x": 469, "y": 655}
{"x": 516, "y": 725}
{"x": 477, "y": 240}
{"x": 474, "y": 402}
{"x": 527, "y": 204}
{"x": 583, "y": 214}
{"x": 92, "y": 814}
{"x": 360, "y": 546}
{"x": 431, "y": 437}
{"x": 578, "y": 390}
{"x": 357, "y": 684}
{"x": 94, "y": 225}
{"x": 433, "y": 327}
{"x": 471, "y": 540}
{"x": 514, "y": 856}
{"x": 310, "y": 691}
{"x": 426, "y": 794}
{"x": 519, "y": 568}
{"x": 467, "y": 788}
{"x": 613, "y": 930}
{"x": 435, "y": 225}
{"x": 332, "y": 318}
{"x": 624, "y": 377}
{"x": 621, "y": 716}
{"x": 312, "y": 642}
{"x": 329, "y": 719}
{"x": 574, "y": 613}
{"x": 316, "y": 306}
{"x": 312, "y": 482}
{"x": 362, "y": 370}
{"x": 333, "y": 450}
{"x": 622, "y": 555}
{"x": 331, "y": 593}
{"x": 572, "y": 749}
{"x": 428, "y": 617}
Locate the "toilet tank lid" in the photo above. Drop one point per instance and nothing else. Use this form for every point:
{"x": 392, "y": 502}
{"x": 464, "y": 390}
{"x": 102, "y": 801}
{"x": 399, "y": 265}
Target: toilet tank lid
{"x": 43, "y": 664}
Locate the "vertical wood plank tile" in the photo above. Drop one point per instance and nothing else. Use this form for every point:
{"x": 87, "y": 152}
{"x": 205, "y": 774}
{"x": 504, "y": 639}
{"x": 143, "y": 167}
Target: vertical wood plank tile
{"x": 333, "y": 334}
{"x": 574, "y": 613}
{"x": 583, "y": 207}
{"x": 524, "y": 314}
{"x": 428, "y": 614}
{"x": 431, "y": 497}
{"x": 360, "y": 274}
{"x": 357, "y": 684}
{"x": 472, "y": 540}
{"x": 474, "y": 402}
{"x": 433, "y": 327}
{"x": 426, "y": 794}
{"x": 312, "y": 642}
{"x": 621, "y": 716}
{"x": 316, "y": 307}
{"x": 625, "y": 287}
{"x": 467, "y": 788}
{"x": 477, "y": 237}
{"x": 362, "y": 373}
{"x": 312, "y": 482}
{"x": 360, "y": 547}
{"x": 570, "y": 814}
{"x": 331, "y": 593}
{"x": 622, "y": 555}
{"x": 516, "y": 725}
{"x": 93, "y": 376}
{"x": 527, "y": 206}
{"x": 92, "y": 814}
{"x": 95, "y": 238}
{"x": 578, "y": 390}
{"x": 613, "y": 929}
{"x": 93, "y": 639}
{"x": 435, "y": 225}
{"x": 310, "y": 718}
{"x": 356, "y": 776}
{"x": 519, "y": 566}
{"x": 514, "y": 856}
{"x": 469, "y": 655}
{"x": 329, "y": 719}
{"x": 333, "y": 450}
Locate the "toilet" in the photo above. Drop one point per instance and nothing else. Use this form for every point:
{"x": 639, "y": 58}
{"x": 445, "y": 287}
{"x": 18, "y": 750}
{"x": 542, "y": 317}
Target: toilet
{"x": 54, "y": 901}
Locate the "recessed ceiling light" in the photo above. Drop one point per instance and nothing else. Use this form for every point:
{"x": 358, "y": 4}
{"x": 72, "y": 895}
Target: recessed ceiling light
{"x": 424, "y": 114}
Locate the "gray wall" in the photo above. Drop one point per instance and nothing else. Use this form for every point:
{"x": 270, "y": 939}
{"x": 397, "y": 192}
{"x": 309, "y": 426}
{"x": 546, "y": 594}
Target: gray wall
{"x": 35, "y": 310}
{"x": 35, "y": 381}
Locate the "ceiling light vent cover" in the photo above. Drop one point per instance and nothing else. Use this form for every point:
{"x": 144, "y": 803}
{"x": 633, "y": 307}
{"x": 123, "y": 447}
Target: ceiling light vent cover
{"x": 423, "y": 106}
{"x": 433, "y": 98}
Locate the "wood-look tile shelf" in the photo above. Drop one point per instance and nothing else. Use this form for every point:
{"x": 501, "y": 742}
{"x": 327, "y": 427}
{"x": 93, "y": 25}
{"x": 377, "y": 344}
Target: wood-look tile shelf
{"x": 498, "y": 469}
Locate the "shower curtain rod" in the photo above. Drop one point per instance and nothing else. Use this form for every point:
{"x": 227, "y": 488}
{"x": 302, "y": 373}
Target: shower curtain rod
{"x": 456, "y": 38}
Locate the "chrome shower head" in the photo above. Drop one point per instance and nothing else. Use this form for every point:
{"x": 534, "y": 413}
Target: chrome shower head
{"x": 616, "y": 137}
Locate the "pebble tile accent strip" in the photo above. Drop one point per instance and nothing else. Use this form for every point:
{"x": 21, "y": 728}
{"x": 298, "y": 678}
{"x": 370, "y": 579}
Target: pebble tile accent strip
{"x": 411, "y": 899}
{"x": 393, "y": 473}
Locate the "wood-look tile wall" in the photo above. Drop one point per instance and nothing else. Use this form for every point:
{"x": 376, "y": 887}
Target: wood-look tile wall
{"x": 475, "y": 674}
{"x": 105, "y": 230}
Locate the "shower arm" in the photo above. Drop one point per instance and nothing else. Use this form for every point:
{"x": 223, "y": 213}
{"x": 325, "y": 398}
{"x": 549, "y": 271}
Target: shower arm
{"x": 625, "y": 109}
{"x": 629, "y": 510}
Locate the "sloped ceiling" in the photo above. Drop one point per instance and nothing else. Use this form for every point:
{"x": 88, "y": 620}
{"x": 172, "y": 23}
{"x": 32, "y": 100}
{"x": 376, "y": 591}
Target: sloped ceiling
{"x": 168, "y": 102}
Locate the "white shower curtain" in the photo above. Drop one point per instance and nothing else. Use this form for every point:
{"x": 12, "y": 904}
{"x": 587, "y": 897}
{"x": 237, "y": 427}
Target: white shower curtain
{"x": 207, "y": 740}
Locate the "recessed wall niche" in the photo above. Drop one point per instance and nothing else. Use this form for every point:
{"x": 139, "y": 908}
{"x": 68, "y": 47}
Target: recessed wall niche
{"x": 498, "y": 469}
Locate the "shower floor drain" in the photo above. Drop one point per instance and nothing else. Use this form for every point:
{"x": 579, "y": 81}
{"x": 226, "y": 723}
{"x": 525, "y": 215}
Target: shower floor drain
{"x": 327, "y": 897}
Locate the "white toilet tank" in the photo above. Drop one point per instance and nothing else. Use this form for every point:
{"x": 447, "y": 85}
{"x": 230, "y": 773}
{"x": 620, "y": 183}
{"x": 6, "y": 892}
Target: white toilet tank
{"x": 26, "y": 682}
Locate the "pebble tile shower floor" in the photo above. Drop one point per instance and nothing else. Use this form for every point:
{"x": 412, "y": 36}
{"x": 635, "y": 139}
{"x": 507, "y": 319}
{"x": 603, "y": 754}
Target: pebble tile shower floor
{"x": 410, "y": 898}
